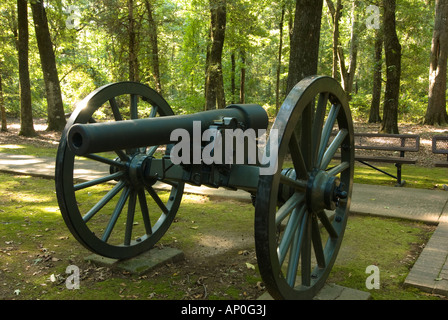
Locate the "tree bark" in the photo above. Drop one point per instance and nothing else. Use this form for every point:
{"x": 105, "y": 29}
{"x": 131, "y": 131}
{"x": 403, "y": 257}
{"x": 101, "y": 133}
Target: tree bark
{"x": 55, "y": 106}
{"x": 133, "y": 62}
{"x": 305, "y": 38}
{"x": 374, "y": 116}
{"x": 154, "y": 47}
{"x": 392, "y": 50}
{"x": 436, "y": 111}
{"x": 214, "y": 91}
{"x": 347, "y": 74}
{"x": 335, "y": 12}
{"x": 232, "y": 77}
{"x": 26, "y": 113}
{"x": 243, "y": 77}
{"x": 4, "y": 127}
{"x": 279, "y": 63}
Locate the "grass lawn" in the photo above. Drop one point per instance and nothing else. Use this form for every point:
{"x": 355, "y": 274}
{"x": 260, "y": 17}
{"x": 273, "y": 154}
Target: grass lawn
{"x": 216, "y": 236}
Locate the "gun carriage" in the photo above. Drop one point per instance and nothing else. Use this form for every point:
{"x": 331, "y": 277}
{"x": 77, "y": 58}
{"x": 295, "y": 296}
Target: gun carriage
{"x": 301, "y": 207}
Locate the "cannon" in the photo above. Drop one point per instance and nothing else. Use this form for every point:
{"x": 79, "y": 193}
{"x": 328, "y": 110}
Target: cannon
{"x": 301, "y": 194}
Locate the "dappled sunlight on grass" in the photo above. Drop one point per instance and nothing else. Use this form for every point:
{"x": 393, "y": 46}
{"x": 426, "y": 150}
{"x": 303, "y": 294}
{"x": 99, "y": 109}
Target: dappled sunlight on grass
{"x": 10, "y": 146}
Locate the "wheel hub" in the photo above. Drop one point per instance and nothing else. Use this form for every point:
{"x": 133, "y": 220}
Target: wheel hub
{"x": 323, "y": 191}
{"x": 137, "y": 168}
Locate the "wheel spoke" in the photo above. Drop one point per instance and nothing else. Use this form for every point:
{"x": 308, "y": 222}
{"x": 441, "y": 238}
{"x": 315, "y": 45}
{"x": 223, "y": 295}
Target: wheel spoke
{"x": 145, "y": 211}
{"x": 338, "y": 169}
{"x": 115, "y": 109}
{"x": 130, "y": 217}
{"x": 291, "y": 228}
{"x": 105, "y": 160}
{"x": 151, "y": 151}
{"x": 306, "y": 254}
{"x": 317, "y": 243}
{"x": 327, "y": 224}
{"x": 289, "y": 205}
{"x": 326, "y": 132}
{"x": 297, "y": 157}
{"x": 134, "y": 110}
{"x": 117, "y": 211}
{"x": 318, "y": 123}
{"x": 157, "y": 199}
{"x": 100, "y": 204}
{"x": 295, "y": 252}
{"x": 335, "y": 144}
{"x": 299, "y": 185}
{"x": 95, "y": 182}
{"x": 153, "y": 111}
{"x": 306, "y": 143}
{"x": 122, "y": 155}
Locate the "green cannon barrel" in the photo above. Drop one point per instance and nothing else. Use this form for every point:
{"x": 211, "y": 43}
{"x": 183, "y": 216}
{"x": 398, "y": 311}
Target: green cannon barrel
{"x": 109, "y": 136}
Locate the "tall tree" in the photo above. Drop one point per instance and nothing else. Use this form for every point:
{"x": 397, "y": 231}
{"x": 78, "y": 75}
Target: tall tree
{"x": 26, "y": 113}
{"x": 243, "y": 76}
{"x": 305, "y": 38}
{"x": 347, "y": 72}
{"x": 4, "y": 126}
{"x": 153, "y": 38}
{"x": 374, "y": 115}
{"x": 436, "y": 111}
{"x": 392, "y": 49}
{"x": 279, "y": 62}
{"x": 335, "y": 12}
{"x": 214, "y": 90}
{"x": 55, "y": 106}
{"x": 133, "y": 54}
{"x": 303, "y": 60}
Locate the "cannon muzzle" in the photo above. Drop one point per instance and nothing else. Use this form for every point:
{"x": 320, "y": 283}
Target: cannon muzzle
{"x": 84, "y": 139}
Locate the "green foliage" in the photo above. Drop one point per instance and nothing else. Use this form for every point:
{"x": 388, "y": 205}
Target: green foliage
{"x": 94, "y": 50}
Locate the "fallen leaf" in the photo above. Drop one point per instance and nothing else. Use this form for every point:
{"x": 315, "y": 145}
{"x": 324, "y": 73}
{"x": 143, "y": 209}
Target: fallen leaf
{"x": 260, "y": 286}
{"x": 250, "y": 266}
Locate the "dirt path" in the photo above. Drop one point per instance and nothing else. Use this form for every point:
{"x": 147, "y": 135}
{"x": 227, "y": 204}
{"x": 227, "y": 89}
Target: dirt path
{"x": 425, "y": 157}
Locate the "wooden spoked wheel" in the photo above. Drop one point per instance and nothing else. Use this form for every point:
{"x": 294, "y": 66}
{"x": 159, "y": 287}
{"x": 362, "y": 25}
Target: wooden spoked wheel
{"x": 301, "y": 213}
{"x": 104, "y": 200}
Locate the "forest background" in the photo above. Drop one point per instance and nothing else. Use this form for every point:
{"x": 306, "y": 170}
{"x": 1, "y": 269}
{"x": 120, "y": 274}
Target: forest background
{"x": 204, "y": 54}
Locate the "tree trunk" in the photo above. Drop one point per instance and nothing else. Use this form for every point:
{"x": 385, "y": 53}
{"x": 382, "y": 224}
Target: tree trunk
{"x": 243, "y": 77}
{"x": 374, "y": 115}
{"x": 214, "y": 90}
{"x": 154, "y": 47}
{"x": 303, "y": 62}
{"x": 279, "y": 63}
{"x": 304, "y": 41}
{"x": 2, "y": 106}
{"x": 335, "y": 12}
{"x": 133, "y": 62}
{"x": 26, "y": 113}
{"x": 232, "y": 77}
{"x": 392, "y": 50}
{"x": 436, "y": 111}
{"x": 353, "y": 56}
{"x": 55, "y": 106}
